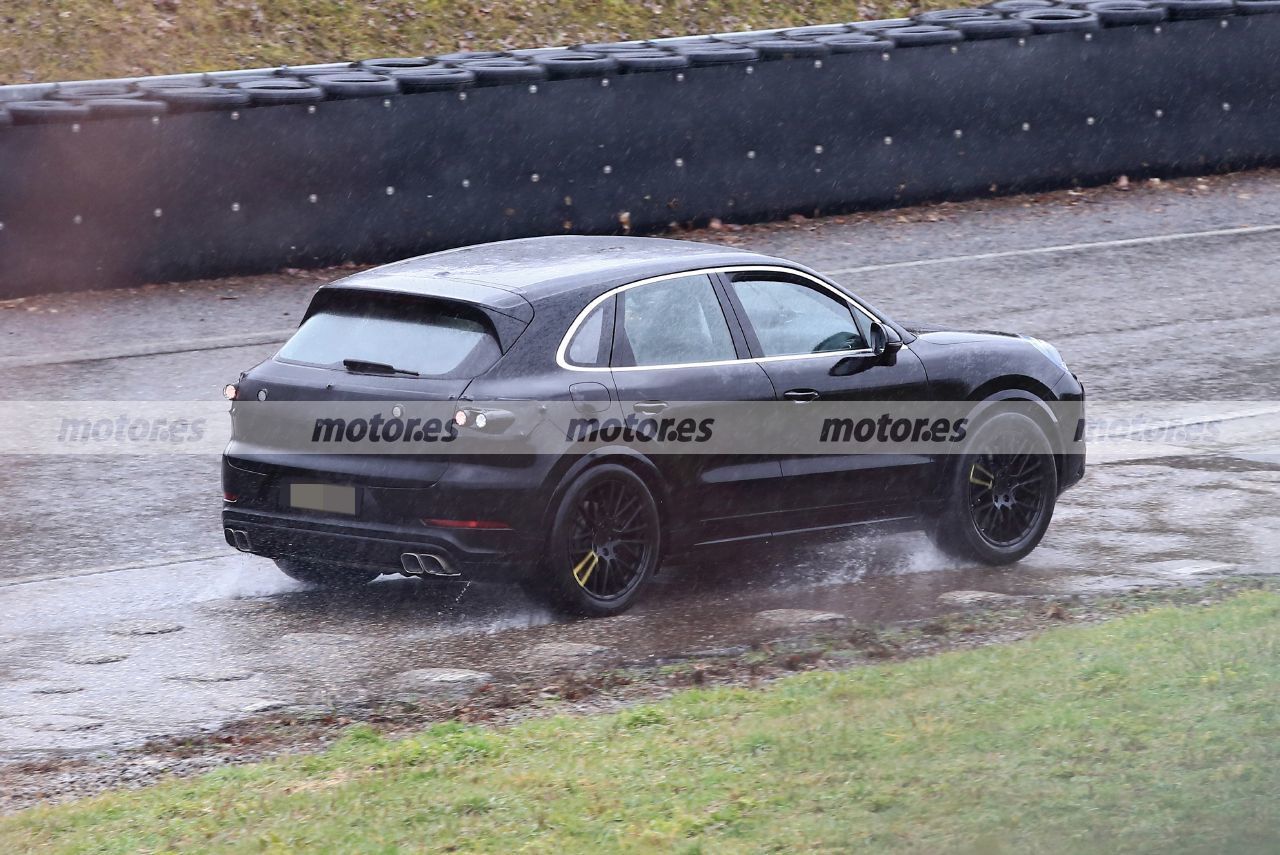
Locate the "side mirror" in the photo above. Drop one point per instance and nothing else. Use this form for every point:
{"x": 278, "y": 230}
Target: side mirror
{"x": 884, "y": 341}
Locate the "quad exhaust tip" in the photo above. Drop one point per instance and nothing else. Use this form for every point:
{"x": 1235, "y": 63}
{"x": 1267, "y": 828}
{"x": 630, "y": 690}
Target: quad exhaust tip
{"x": 239, "y": 539}
{"x": 427, "y": 564}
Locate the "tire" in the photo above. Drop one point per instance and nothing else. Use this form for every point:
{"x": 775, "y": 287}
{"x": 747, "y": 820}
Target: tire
{"x": 815, "y": 31}
{"x": 354, "y": 84}
{"x": 1189, "y": 10}
{"x": 567, "y": 64}
{"x": 856, "y": 43}
{"x": 281, "y": 90}
{"x": 45, "y": 112}
{"x": 1257, "y": 7}
{"x": 202, "y": 98}
{"x": 789, "y": 48}
{"x": 999, "y": 505}
{"x": 921, "y": 35}
{"x": 494, "y": 72}
{"x": 435, "y": 79}
{"x": 650, "y": 60}
{"x": 605, "y": 543}
{"x": 717, "y": 53}
{"x": 1061, "y": 20}
{"x": 1120, "y": 13}
{"x": 977, "y": 29}
{"x": 89, "y": 91}
{"x": 1008, "y": 7}
{"x": 944, "y": 17}
{"x": 324, "y": 575}
{"x": 124, "y": 107}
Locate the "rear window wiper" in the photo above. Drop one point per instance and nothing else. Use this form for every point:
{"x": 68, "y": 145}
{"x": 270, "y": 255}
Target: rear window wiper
{"x": 364, "y": 366}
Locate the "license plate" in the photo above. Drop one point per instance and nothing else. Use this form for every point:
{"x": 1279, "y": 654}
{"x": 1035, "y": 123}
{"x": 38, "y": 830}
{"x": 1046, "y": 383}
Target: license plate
{"x": 323, "y": 497}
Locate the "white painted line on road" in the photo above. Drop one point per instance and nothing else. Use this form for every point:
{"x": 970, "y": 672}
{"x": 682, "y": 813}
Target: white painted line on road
{"x": 158, "y": 348}
{"x": 278, "y": 336}
{"x": 117, "y": 568}
{"x": 1066, "y": 247}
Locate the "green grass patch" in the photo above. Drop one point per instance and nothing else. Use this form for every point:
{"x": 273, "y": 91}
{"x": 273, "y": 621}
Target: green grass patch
{"x": 1157, "y": 732}
{"x": 78, "y": 39}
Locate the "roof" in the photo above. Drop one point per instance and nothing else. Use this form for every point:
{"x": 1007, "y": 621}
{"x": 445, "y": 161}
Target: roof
{"x": 541, "y": 267}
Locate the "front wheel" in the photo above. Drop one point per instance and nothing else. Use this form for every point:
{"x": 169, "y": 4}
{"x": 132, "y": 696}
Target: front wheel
{"x": 326, "y": 575}
{"x": 1002, "y": 495}
{"x": 605, "y": 542}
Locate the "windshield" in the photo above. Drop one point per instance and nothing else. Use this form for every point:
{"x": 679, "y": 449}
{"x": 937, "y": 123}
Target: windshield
{"x": 432, "y": 338}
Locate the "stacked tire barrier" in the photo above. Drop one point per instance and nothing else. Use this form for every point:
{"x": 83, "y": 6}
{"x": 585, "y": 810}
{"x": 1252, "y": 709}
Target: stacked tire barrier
{"x": 165, "y": 178}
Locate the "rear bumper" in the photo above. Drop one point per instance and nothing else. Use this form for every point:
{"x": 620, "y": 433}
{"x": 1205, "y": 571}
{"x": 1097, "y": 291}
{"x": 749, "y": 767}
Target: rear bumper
{"x": 499, "y": 555}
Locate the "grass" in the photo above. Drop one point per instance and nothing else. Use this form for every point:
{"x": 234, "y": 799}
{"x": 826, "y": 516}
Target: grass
{"x": 81, "y": 39}
{"x": 1157, "y": 732}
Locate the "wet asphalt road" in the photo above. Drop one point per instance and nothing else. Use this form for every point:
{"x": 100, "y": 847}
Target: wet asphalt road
{"x": 123, "y": 615}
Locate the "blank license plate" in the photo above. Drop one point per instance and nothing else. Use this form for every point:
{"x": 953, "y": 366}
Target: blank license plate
{"x": 323, "y": 497}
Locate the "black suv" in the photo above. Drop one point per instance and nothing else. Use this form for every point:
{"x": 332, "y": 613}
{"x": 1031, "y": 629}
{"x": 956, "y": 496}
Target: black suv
{"x": 630, "y": 329}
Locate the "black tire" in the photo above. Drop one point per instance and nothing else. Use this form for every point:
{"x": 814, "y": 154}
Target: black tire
{"x": 103, "y": 107}
{"x": 45, "y": 112}
{"x": 924, "y": 34}
{"x": 1001, "y": 494}
{"x": 494, "y": 72}
{"x": 281, "y": 90}
{"x": 716, "y": 53}
{"x": 605, "y": 543}
{"x": 202, "y": 97}
{"x": 324, "y": 575}
{"x": 1062, "y": 20}
{"x": 576, "y": 64}
{"x": 472, "y": 55}
{"x": 1257, "y": 7}
{"x": 1188, "y": 10}
{"x": 650, "y": 60}
{"x": 615, "y": 48}
{"x": 1120, "y": 13}
{"x": 942, "y": 17}
{"x": 789, "y": 48}
{"x": 434, "y": 79}
{"x": 855, "y": 43}
{"x": 1008, "y": 7}
{"x": 815, "y": 31}
{"x": 991, "y": 28}
{"x": 355, "y": 84}
{"x": 90, "y": 91}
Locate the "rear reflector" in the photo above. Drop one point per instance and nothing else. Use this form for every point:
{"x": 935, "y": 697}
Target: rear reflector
{"x": 487, "y": 524}
{"x": 230, "y": 497}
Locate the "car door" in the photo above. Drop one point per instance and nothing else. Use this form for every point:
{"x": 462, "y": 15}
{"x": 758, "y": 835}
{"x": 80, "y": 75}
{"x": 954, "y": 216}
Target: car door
{"x": 812, "y": 341}
{"x": 673, "y": 348}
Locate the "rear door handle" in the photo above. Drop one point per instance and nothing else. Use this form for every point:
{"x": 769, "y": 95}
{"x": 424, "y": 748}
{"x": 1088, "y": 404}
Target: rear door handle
{"x": 800, "y": 395}
{"x": 650, "y": 407}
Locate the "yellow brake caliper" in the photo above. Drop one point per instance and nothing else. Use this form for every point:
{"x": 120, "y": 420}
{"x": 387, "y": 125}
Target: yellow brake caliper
{"x": 582, "y": 570}
{"x": 974, "y": 479}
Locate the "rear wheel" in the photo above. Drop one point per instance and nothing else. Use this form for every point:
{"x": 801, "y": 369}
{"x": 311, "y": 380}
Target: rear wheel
{"x": 605, "y": 542}
{"x": 1002, "y": 495}
{"x": 326, "y": 575}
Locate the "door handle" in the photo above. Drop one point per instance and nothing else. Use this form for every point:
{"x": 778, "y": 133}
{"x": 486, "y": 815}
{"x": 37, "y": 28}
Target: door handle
{"x": 650, "y": 407}
{"x": 801, "y": 395}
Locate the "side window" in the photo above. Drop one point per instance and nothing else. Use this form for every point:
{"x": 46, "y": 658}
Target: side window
{"x": 670, "y": 322}
{"x": 589, "y": 346}
{"x": 791, "y": 318}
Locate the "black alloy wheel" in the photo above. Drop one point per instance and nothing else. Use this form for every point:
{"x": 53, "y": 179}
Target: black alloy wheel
{"x": 1001, "y": 494}
{"x": 605, "y": 543}
{"x": 1006, "y": 495}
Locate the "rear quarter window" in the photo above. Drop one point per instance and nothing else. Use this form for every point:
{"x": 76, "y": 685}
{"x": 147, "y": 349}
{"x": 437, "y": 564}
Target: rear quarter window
{"x": 428, "y": 336}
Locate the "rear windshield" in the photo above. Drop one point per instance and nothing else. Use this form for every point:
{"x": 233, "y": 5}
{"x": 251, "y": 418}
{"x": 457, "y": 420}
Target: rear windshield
{"x": 433, "y": 338}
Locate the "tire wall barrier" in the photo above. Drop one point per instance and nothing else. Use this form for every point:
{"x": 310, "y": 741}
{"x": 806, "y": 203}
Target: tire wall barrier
{"x": 137, "y": 196}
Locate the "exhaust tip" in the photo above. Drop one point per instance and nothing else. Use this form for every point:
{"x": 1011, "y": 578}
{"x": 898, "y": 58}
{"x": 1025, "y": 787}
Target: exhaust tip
{"x": 427, "y": 564}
